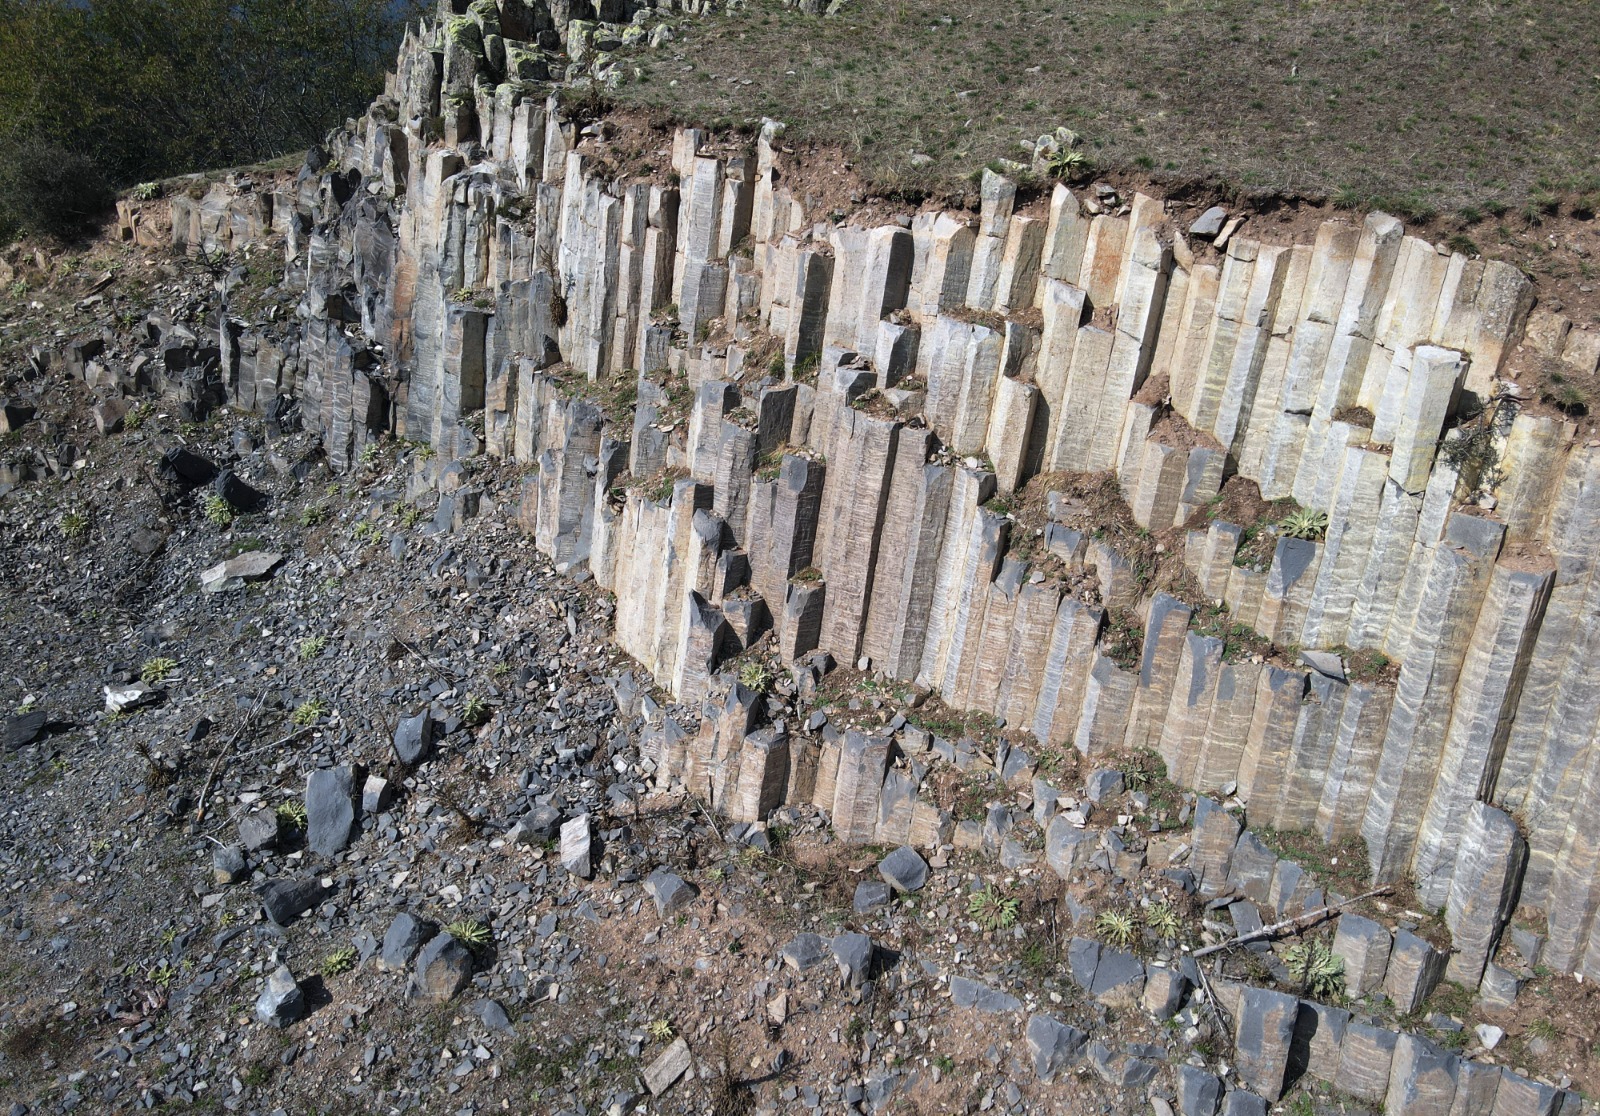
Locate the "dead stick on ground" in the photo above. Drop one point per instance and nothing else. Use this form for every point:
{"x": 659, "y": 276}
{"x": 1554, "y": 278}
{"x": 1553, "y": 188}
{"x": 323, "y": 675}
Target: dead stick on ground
{"x": 1297, "y": 923}
{"x": 216, "y": 765}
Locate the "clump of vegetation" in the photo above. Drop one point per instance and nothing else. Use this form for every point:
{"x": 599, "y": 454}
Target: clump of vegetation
{"x": 469, "y": 932}
{"x": 660, "y": 1030}
{"x": 312, "y": 514}
{"x": 341, "y": 960}
{"x": 137, "y": 417}
{"x": 1067, "y": 164}
{"x": 755, "y": 675}
{"x": 217, "y": 510}
{"x": 992, "y": 909}
{"x": 309, "y": 712}
{"x": 1164, "y": 921}
{"x": 310, "y": 647}
{"x": 1316, "y": 968}
{"x": 155, "y": 669}
{"x": 74, "y": 526}
{"x": 1305, "y": 523}
{"x": 409, "y": 515}
{"x": 145, "y": 191}
{"x": 1116, "y": 927}
{"x": 292, "y": 815}
{"x": 474, "y": 710}
{"x": 368, "y": 533}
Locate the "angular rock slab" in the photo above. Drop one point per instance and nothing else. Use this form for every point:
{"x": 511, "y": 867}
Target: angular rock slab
{"x": 670, "y": 892}
{"x": 281, "y": 1002}
{"x": 406, "y": 935}
{"x": 661, "y": 1074}
{"x": 1053, "y": 1045}
{"x": 967, "y": 993}
{"x": 330, "y": 809}
{"x": 1262, "y": 1038}
{"x": 904, "y": 869}
{"x": 443, "y": 969}
{"x": 576, "y": 846}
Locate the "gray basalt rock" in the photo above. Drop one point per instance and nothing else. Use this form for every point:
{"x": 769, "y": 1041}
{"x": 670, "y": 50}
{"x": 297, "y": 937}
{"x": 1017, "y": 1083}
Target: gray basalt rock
{"x": 670, "y": 892}
{"x": 286, "y": 900}
{"x": 331, "y": 800}
{"x": 904, "y": 869}
{"x": 1262, "y": 1037}
{"x": 281, "y": 1002}
{"x": 972, "y": 994}
{"x": 443, "y": 968}
{"x": 575, "y": 847}
{"x": 413, "y": 738}
{"x": 1053, "y": 1045}
{"x": 405, "y": 936}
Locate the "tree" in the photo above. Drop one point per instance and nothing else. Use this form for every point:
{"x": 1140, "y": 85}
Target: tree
{"x": 100, "y": 93}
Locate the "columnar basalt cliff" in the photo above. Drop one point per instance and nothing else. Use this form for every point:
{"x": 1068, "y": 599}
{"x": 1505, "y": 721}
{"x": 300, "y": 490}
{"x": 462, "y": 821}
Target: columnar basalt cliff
{"x": 750, "y": 417}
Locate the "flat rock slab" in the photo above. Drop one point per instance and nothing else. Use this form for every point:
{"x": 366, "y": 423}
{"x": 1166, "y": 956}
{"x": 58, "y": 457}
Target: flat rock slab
{"x": 871, "y": 895}
{"x": 230, "y": 575}
{"x": 853, "y": 954}
{"x": 330, "y": 809}
{"x": 1209, "y": 223}
{"x": 405, "y": 936}
{"x": 661, "y": 1074}
{"x": 413, "y": 739}
{"x": 1053, "y": 1045}
{"x": 980, "y": 997}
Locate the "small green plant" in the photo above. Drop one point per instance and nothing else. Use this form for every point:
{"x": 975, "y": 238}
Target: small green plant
{"x": 469, "y": 932}
{"x": 409, "y": 516}
{"x": 944, "y": 1063}
{"x": 369, "y": 454}
{"x": 992, "y": 909}
{"x": 855, "y": 1029}
{"x": 311, "y": 647}
{"x": 292, "y": 815}
{"x": 461, "y": 294}
{"x": 341, "y": 960}
{"x": 1116, "y": 927}
{"x": 1306, "y": 523}
{"x": 137, "y": 417}
{"x": 1543, "y": 1029}
{"x": 500, "y": 670}
{"x": 163, "y": 976}
{"x": 145, "y": 191}
{"x": 154, "y": 670}
{"x": 754, "y": 675}
{"x": 660, "y": 1030}
{"x": 312, "y": 514}
{"x": 1316, "y": 968}
{"x": 1067, "y": 163}
{"x": 74, "y": 526}
{"x": 368, "y": 533}
{"x": 309, "y": 712}
{"x": 217, "y": 510}
{"x": 1164, "y": 920}
{"x": 474, "y": 710}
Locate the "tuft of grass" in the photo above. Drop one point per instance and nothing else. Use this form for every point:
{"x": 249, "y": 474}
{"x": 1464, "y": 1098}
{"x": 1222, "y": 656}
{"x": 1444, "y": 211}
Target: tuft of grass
{"x": 475, "y": 710}
{"x": 341, "y": 960}
{"x": 1316, "y": 968}
{"x": 74, "y": 526}
{"x": 309, "y": 712}
{"x": 1164, "y": 920}
{"x": 155, "y": 669}
{"x": 137, "y": 417}
{"x": 469, "y": 932}
{"x": 1305, "y": 523}
{"x": 1116, "y": 927}
{"x": 312, "y": 514}
{"x": 217, "y": 510}
{"x": 992, "y": 909}
{"x": 660, "y": 1030}
{"x": 1542, "y": 1029}
{"x": 754, "y": 675}
{"x": 292, "y": 815}
{"x": 310, "y": 647}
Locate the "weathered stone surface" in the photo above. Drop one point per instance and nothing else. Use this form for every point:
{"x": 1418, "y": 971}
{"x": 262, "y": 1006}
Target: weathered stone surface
{"x": 232, "y": 574}
{"x": 443, "y": 968}
{"x": 904, "y": 869}
{"x": 804, "y": 952}
{"x": 330, "y": 809}
{"x": 281, "y": 1002}
{"x": 852, "y": 952}
{"x": 406, "y": 935}
{"x": 661, "y": 1074}
{"x": 971, "y": 994}
{"x": 1364, "y": 945}
{"x": 1422, "y": 1078}
{"x": 286, "y": 900}
{"x": 1415, "y": 968}
{"x": 414, "y": 737}
{"x": 1199, "y": 1092}
{"x": 1262, "y": 1038}
{"x": 1365, "y": 1060}
{"x": 575, "y": 847}
{"x": 1054, "y": 1045}
{"x": 670, "y": 892}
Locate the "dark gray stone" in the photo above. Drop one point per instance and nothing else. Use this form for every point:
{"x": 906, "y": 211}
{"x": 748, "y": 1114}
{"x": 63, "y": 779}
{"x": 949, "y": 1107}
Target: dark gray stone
{"x": 413, "y": 739}
{"x": 331, "y": 797}
{"x": 1199, "y": 1092}
{"x": 1117, "y": 968}
{"x": 239, "y": 495}
{"x": 1262, "y": 1039}
{"x": 536, "y": 826}
{"x": 181, "y": 466}
{"x": 576, "y": 844}
{"x": 227, "y": 864}
{"x": 1053, "y": 1045}
{"x": 1103, "y": 784}
{"x": 258, "y": 830}
{"x": 281, "y": 1002}
{"x": 1243, "y": 1103}
{"x": 904, "y": 869}
{"x": 1083, "y": 957}
{"x": 967, "y": 993}
{"x": 286, "y": 900}
{"x": 805, "y": 952}
{"x": 443, "y": 969}
{"x": 871, "y": 895}
{"x": 491, "y": 1015}
{"x": 406, "y": 935}
{"x": 852, "y": 952}
{"x": 1209, "y": 223}
{"x": 24, "y": 728}
{"x": 670, "y": 892}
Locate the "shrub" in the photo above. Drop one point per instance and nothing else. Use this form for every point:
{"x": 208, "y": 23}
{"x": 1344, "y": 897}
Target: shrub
{"x": 754, "y": 675}
{"x": 341, "y": 960}
{"x": 217, "y": 510}
{"x": 469, "y": 932}
{"x": 74, "y": 526}
{"x": 48, "y": 190}
{"x": 1316, "y": 968}
{"x": 474, "y": 710}
{"x": 309, "y": 712}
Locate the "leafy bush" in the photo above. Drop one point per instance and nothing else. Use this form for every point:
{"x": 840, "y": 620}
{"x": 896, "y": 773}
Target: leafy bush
{"x": 1316, "y": 968}
{"x": 47, "y": 189}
